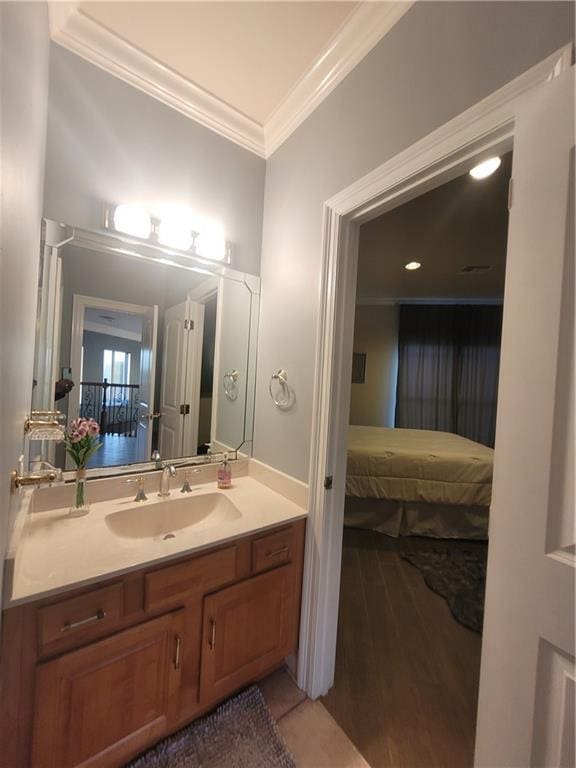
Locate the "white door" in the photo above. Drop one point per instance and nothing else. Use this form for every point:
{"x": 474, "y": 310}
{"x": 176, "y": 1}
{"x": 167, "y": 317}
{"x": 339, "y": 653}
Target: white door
{"x": 180, "y": 385}
{"x": 193, "y": 378}
{"x": 170, "y": 428}
{"x": 147, "y": 384}
{"x": 526, "y": 704}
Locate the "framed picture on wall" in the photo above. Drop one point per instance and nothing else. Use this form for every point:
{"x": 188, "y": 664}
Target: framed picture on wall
{"x": 358, "y": 368}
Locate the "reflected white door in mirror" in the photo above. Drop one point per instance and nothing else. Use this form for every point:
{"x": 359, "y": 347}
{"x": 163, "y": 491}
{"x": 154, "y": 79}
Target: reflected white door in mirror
{"x": 142, "y": 337}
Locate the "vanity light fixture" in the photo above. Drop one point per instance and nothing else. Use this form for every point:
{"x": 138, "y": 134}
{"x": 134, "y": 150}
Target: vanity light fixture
{"x": 176, "y": 228}
{"x": 132, "y": 220}
{"x": 412, "y": 265}
{"x": 485, "y": 168}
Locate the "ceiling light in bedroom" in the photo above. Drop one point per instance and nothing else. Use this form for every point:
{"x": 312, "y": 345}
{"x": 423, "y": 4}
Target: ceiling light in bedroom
{"x": 412, "y": 265}
{"x": 485, "y": 168}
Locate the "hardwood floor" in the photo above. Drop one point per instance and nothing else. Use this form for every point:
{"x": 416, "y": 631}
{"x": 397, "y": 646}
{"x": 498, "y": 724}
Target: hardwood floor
{"x": 115, "y": 449}
{"x": 406, "y": 682}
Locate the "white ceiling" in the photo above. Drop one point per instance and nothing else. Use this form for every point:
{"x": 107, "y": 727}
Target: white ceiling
{"x": 251, "y": 71}
{"x": 248, "y": 54}
{"x": 461, "y": 223}
{"x": 113, "y": 323}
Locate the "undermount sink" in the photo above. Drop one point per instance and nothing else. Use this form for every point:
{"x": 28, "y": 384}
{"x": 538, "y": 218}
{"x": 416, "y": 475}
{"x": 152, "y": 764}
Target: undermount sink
{"x": 165, "y": 519}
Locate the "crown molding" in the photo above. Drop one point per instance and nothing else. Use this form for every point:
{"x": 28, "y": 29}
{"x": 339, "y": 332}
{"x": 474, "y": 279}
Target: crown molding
{"x": 363, "y": 28}
{"x": 380, "y": 301}
{"x": 359, "y": 33}
{"x": 72, "y": 29}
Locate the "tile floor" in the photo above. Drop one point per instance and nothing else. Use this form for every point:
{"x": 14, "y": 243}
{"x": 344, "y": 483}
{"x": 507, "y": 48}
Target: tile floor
{"x": 310, "y": 733}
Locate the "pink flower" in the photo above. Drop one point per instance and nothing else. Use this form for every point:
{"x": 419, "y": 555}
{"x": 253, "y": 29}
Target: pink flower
{"x": 75, "y": 424}
{"x": 75, "y": 437}
{"x": 93, "y": 427}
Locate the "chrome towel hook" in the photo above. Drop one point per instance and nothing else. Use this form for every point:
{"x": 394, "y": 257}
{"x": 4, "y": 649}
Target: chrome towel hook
{"x": 285, "y": 395}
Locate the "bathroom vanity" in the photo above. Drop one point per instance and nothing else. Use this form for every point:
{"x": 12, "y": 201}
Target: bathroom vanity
{"x": 139, "y": 631}
{"x": 123, "y": 626}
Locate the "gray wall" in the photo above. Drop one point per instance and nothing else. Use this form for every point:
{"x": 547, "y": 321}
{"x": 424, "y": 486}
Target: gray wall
{"x": 24, "y": 50}
{"x": 373, "y": 403}
{"x": 440, "y": 59}
{"x": 108, "y": 142}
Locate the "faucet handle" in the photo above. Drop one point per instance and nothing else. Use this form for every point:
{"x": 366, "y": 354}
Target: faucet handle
{"x": 186, "y": 484}
{"x": 140, "y": 494}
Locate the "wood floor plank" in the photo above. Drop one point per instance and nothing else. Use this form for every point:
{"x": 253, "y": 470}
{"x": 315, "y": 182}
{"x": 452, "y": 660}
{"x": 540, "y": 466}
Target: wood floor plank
{"x": 406, "y": 680}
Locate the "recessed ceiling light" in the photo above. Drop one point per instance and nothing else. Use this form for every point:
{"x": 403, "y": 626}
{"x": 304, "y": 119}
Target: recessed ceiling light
{"x": 412, "y": 265}
{"x": 485, "y": 168}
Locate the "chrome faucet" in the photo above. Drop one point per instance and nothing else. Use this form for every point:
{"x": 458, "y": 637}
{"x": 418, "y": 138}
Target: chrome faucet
{"x": 168, "y": 471}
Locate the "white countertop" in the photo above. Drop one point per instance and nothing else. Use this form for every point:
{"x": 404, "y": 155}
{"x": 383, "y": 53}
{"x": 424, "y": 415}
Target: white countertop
{"x": 54, "y": 553}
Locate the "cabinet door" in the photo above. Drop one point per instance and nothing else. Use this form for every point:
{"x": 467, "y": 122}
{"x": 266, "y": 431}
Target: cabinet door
{"x": 247, "y": 629}
{"x": 102, "y": 704}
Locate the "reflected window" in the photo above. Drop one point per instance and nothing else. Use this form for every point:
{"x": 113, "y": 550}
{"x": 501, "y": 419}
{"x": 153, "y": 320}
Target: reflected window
{"x": 116, "y": 366}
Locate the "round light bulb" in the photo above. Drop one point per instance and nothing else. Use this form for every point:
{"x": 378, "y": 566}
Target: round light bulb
{"x": 132, "y": 220}
{"x": 485, "y": 168}
{"x": 412, "y": 265}
{"x": 175, "y": 228}
{"x": 211, "y": 243}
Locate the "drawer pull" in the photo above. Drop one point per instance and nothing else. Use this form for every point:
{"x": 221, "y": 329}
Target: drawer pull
{"x": 178, "y": 652}
{"x": 100, "y": 614}
{"x": 212, "y": 642}
{"x": 276, "y": 552}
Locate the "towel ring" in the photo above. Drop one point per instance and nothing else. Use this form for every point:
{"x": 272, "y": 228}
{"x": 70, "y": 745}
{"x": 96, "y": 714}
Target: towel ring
{"x": 229, "y": 382}
{"x": 282, "y": 378}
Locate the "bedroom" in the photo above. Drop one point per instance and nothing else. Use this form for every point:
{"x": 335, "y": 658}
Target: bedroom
{"x": 428, "y": 320}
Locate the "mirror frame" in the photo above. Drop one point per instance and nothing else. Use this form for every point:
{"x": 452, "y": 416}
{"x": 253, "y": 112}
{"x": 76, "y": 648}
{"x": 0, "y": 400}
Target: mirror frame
{"x": 55, "y": 236}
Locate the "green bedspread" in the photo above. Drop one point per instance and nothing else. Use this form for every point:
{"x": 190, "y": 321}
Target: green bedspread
{"x": 418, "y": 465}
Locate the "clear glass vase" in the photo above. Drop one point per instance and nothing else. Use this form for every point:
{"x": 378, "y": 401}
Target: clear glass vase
{"x": 80, "y": 506}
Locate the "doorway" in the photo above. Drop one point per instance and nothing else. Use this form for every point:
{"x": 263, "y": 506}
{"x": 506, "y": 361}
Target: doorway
{"x": 113, "y": 362}
{"x": 426, "y": 347}
{"x": 489, "y": 128}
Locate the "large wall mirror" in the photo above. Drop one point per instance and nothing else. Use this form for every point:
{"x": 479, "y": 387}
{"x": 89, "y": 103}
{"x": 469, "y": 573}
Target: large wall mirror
{"x": 158, "y": 347}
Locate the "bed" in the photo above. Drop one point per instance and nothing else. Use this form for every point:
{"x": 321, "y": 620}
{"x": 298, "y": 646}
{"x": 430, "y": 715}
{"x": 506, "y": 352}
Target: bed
{"x": 415, "y": 481}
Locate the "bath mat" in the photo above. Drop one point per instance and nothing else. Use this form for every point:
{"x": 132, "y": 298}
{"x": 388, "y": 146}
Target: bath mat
{"x": 240, "y": 733}
{"x": 458, "y": 574}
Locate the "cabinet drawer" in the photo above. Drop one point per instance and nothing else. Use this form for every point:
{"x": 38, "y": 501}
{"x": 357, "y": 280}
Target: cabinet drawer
{"x": 203, "y": 574}
{"x": 83, "y": 617}
{"x": 273, "y": 549}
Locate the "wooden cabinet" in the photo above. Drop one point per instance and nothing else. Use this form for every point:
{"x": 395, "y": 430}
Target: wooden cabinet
{"x": 100, "y": 704}
{"x": 247, "y": 628}
{"x": 95, "y": 676}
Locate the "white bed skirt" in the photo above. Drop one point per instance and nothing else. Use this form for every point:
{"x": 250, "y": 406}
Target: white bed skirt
{"x": 396, "y": 518}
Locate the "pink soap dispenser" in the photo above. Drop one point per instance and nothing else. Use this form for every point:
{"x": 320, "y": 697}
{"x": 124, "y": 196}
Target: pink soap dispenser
{"x": 224, "y": 474}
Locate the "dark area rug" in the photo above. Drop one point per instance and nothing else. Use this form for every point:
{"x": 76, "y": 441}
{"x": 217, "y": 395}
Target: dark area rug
{"x": 241, "y": 733}
{"x": 458, "y": 573}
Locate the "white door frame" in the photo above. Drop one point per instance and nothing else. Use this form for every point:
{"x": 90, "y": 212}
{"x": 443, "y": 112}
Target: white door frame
{"x": 79, "y": 305}
{"x": 487, "y": 127}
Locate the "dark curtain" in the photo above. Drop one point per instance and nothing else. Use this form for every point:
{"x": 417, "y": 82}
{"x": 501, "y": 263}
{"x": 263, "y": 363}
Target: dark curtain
{"x": 448, "y": 363}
